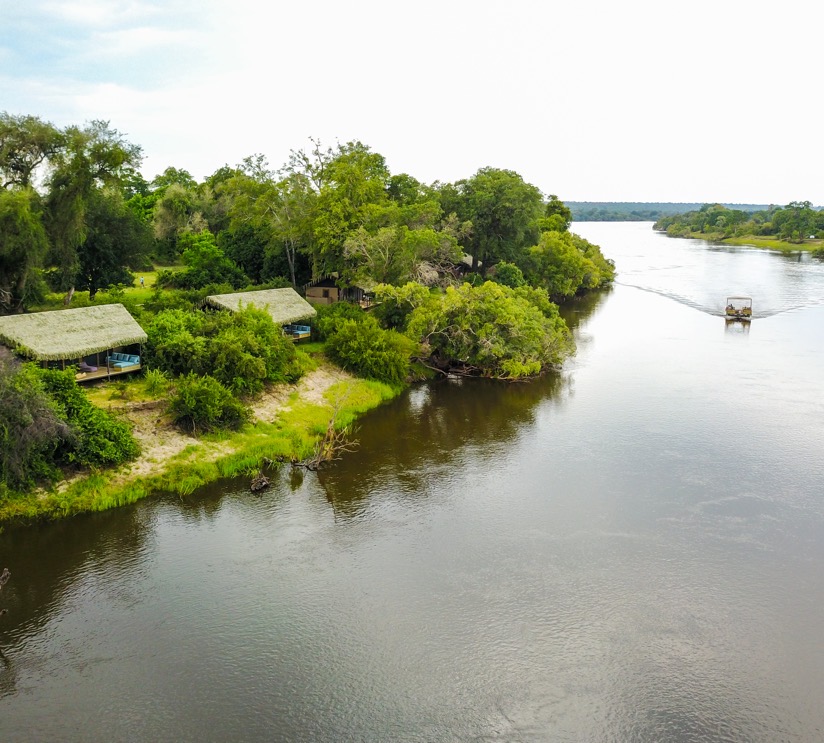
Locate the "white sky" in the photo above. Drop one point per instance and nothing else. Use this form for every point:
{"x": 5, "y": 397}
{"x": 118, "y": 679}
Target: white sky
{"x": 589, "y": 99}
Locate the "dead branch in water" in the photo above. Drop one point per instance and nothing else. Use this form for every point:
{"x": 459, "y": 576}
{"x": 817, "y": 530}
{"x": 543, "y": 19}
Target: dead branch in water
{"x": 334, "y": 442}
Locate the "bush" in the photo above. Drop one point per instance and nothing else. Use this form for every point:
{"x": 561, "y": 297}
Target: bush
{"x": 242, "y": 350}
{"x": 369, "y": 351}
{"x": 509, "y": 274}
{"x": 30, "y": 428}
{"x": 98, "y": 438}
{"x": 157, "y": 382}
{"x": 491, "y": 330}
{"x": 331, "y": 316}
{"x": 204, "y": 404}
{"x": 395, "y": 304}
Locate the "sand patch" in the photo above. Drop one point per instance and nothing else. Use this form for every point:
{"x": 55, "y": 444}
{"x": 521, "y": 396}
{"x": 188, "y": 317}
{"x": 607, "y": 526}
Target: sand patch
{"x": 160, "y": 441}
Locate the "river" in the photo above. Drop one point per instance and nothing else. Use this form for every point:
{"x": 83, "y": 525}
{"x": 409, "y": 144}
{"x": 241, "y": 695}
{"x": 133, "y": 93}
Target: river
{"x": 629, "y": 550}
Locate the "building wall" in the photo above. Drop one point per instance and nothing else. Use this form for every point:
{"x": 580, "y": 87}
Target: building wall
{"x": 322, "y": 294}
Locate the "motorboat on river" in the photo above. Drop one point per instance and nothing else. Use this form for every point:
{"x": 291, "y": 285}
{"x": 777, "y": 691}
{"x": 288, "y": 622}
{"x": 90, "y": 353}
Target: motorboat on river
{"x": 739, "y": 308}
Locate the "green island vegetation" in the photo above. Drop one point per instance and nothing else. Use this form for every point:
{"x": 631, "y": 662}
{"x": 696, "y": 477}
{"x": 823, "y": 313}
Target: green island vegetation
{"x": 448, "y": 278}
{"x": 639, "y": 211}
{"x": 796, "y": 226}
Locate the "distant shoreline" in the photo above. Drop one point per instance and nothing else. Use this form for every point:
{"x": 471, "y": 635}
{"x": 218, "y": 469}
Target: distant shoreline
{"x": 754, "y": 241}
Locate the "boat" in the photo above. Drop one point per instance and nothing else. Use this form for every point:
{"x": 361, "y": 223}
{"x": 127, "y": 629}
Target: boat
{"x": 739, "y": 308}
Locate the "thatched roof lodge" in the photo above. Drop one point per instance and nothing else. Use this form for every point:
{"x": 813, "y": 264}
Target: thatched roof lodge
{"x": 283, "y": 305}
{"x": 64, "y": 335}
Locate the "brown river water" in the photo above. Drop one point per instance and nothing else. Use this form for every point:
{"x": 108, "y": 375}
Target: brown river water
{"x": 629, "y": 550}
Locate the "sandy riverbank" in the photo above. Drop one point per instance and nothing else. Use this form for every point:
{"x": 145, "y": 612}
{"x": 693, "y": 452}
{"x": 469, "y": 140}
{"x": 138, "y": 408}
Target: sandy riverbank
{"x": 287, "y": 421}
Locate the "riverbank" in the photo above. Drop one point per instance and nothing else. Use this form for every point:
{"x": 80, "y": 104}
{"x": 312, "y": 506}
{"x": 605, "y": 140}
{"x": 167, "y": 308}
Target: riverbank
{"x": 288, "y": 421}
{"x": 754, "y": 241}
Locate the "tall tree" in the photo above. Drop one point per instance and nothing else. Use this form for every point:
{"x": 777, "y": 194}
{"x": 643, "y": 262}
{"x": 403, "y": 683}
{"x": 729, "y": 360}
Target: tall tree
{"x": 26, "y": 143}
{"x": 23, "y": 246}
{"x": 93, "y": 157}
{"x": 116, "y": 240}
{"x": 504, "y": 210}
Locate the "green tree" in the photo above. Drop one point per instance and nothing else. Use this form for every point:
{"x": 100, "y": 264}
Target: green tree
{"x": 23, "y": 246}
{"x": 116, "y": 240}
{"x": 206, "y": 264}
{"x": 26, "y": 143}
{"x": 489, "y": 330}
{"x": 564, "y": 264}
{"x": 504, "y": 211}
{"x": 92, "y": 158}
{"x": 795, "y": 221}
{"x": 351, "y": 195}
{"x": 557, "y": 216}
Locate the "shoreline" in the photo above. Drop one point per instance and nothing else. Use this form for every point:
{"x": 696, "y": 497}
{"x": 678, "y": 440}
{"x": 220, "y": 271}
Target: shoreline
{"x": 754, "y": 241}
{"x": 287, "y": 421}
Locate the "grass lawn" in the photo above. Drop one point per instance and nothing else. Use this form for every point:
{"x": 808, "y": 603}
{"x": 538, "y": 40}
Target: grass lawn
{"x": 138, "y": 294}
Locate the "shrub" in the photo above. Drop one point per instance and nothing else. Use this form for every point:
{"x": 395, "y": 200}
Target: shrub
{"x": 395, "y": 304}
{"x": 30, "y": 427}
{"x": 157, "y": 382}
{"x": 490, "y": 330}
{"x": 242, "y": 350}
{"x": 98, "y": 438}
{"x": 509, "y": 274}
{"x": 204, "y": 404}
{"x": 369, "y": 351}
{"x": 331, "y": 316}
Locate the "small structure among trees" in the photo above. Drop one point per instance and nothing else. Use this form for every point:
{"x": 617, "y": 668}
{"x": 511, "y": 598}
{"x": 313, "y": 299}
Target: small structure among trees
{"x": 284, "y": 306}
{"x": 326, "y": 291}
{"x": 101, "y": 340}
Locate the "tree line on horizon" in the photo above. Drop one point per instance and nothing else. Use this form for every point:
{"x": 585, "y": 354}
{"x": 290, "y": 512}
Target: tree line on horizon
{"x": 644, "y": 211}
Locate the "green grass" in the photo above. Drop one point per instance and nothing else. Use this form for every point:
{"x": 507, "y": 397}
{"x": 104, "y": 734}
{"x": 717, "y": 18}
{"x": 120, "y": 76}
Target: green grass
{"x": 133, "y": 388}
{"x": 755, "y": 241}
{"x": 292, "y": 436}
{"x": 135, "y": 293}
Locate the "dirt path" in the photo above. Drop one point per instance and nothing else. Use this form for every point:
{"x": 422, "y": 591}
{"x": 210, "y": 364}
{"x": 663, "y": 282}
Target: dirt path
{"x": 160, "y": 441}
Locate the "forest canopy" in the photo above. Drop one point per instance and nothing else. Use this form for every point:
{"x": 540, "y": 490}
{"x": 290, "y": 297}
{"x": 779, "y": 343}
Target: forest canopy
{"x": 77, "y": 215}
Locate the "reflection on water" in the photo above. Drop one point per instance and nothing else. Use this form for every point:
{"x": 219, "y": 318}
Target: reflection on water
{"x": 737, "y": 327}
{"x": 629, "y": 550}
{"x": 435, "y": 428}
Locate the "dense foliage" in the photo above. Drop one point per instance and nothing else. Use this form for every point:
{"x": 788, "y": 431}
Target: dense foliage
{"x": 242, "y": 350}
{"x": 98, "y": 438}
{"x": 368, "y": 350}
{"x": 206, "y": 264}
{"x": 794, "y": 223}
{"x": 73, "y": 206}
{"x": 47, "y": 422}
{"x": 202, "y": 404}
{"x": 331, "y": 316}
{"x": 62, "y": 208}
{"x": 490, "y": 330}
{"x": 31, "y": 429}
{"x": 565, "y": 264}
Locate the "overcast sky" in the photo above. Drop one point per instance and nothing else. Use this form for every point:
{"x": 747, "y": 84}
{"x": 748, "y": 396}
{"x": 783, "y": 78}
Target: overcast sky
{"x": 596, "y": 101}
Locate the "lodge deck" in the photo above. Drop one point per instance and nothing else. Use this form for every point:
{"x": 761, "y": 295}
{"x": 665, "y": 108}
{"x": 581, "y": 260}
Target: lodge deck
{"x": 106, "y": 372}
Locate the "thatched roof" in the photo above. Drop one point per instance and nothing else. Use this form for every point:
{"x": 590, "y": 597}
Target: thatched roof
{"x": 70, "y": 334}
{"x": 283, "y": 305}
